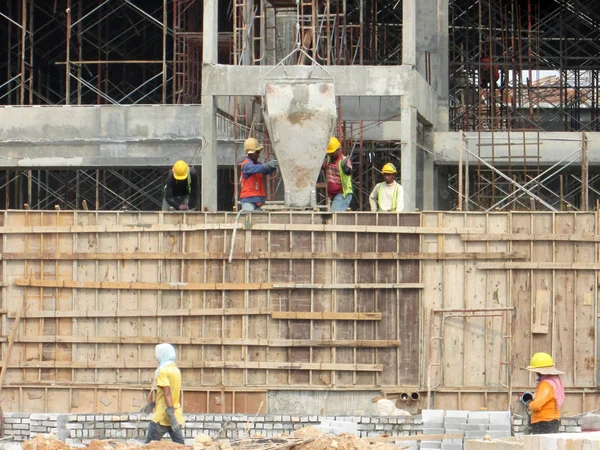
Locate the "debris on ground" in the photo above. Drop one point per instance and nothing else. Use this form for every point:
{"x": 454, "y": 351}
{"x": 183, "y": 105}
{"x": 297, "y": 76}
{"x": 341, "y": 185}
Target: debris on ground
{"x": 45, "y": 442}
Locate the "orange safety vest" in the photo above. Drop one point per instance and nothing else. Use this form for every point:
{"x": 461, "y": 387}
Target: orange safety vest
{"x": 253, "y": 186}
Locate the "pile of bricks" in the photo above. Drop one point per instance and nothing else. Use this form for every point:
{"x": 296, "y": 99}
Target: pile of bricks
{"x": 83, "y": 428}
{"x": 467, "y": 424}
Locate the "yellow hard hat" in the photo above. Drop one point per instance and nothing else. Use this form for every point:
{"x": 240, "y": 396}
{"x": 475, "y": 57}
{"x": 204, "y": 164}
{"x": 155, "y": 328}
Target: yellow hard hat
{"x": 540, "y": 360}
{"x": 544, "y": 364}
{"x": 251, "y": 145}
{"x": 389, "y": 168}
{"x": 334, "y": 144}
{"x": 180, "y": 170}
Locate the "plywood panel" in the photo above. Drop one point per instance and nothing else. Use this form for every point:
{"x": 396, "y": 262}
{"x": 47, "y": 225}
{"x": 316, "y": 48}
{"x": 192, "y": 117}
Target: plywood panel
{"x": 113, "y": 354}
{"x": 521, "y": 301}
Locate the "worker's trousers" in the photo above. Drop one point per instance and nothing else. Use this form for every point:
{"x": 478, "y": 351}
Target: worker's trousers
{"x": 340, "y": 203}
{"x": 545, "y": 427}
{"x": 156, "y": 431}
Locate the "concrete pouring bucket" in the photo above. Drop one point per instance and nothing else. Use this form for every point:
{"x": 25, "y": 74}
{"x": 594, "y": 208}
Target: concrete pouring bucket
{"x": 300, "y": 117}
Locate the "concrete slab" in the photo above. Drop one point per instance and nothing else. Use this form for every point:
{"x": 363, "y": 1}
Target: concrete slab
{"x": 496, "y": 444}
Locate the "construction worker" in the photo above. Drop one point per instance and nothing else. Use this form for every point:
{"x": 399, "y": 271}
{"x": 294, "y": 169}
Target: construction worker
{"x": 490, "y": 73}
{"x": 253, "y": 195}
{"x": 387, "y": 195}
{"x": 338, "y": 170}
{"x": 181, "y": 188}
{"x": 168, "y": 414}
{"x": 548, "y": 397}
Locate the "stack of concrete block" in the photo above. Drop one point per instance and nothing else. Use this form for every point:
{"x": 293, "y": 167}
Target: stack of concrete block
{"x": 338, "y": 426}
{"x": 466, "y": 424}
{"x": 562, "y": 441}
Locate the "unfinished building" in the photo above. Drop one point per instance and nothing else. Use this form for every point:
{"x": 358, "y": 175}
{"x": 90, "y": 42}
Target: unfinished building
{"x": 299, "y": 312}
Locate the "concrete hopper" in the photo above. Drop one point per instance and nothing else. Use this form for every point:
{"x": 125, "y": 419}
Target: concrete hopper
{"x": 300, "y": 117}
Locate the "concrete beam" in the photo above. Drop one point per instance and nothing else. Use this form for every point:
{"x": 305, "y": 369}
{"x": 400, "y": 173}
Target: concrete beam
{"x": 553, "y": 146}
{"x": 348, "y": 81}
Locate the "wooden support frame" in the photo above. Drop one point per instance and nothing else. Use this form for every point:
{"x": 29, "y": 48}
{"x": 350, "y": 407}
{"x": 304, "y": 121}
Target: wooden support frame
{"x": 307, "y": 302}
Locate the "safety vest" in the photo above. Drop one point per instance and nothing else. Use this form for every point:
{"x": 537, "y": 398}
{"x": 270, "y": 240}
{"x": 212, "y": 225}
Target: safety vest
{"x": 346, "y": 181}
{"x": 394, "y": 196}
{"x": 253, "y": 186}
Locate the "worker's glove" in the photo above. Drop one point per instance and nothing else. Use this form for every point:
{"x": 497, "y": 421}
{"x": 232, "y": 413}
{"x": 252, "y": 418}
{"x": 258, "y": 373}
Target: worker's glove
{"x": 271, "y": 165}
{"x": 345, "y": 165}
{"x": 172, "y": 419}
{"x": 183, "y": 207}
{"x": 148, "y": 408}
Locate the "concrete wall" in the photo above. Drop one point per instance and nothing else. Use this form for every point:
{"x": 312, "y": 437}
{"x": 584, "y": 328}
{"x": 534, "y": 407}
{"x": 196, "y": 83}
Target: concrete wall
{"x": 103, "y": 136}
{"x": 553, "y": 146}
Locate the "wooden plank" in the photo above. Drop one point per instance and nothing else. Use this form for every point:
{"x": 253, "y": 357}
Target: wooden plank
{"x": 539, "y": 266}
{"x": 183, "y": 286}
{"x": 476, "y": 330}
{"x": 531, "y": 237}
{"x": 585, "y": 367}
{"x": 259, "y": 255}
{"x": 174, "y": 228}
{"x": 91, "y": 313}
{"x": 541, "y": 312}
{"x": 11, "y": 340}
{"x": 201, "y": 364}
{"x": 281, "y": 315}
{"x": 209, "y": 341}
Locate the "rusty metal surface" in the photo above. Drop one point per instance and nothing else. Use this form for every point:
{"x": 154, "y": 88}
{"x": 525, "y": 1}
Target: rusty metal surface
{"x": 300, "y": 118}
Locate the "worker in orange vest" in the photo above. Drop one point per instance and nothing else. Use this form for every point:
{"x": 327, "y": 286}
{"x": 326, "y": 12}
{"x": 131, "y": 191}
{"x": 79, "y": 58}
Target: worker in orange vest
{"x": 549, "y": 395}
{"x": 253, "y": 194}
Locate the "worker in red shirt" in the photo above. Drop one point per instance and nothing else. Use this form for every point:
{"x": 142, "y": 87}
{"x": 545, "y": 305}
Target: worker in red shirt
{"x": 338, "y": 169}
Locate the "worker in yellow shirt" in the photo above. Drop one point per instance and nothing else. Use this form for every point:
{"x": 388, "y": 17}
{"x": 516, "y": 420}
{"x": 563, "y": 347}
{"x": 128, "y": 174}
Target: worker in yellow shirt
{"x": 168, "y": 414}
{"x": 549, "y": 395}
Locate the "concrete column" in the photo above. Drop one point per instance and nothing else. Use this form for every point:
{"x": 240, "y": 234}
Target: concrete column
{"x": 209, "y": 123}
{"x": 408, "y": 131}
{"x": 429, "y": 173}
{"x": 432, "y": 39}
{"x": 409, "y": 36}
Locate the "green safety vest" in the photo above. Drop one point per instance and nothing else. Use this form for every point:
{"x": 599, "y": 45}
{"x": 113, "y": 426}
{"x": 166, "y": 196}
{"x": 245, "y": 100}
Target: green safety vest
{"x": 394, "y": 197}
{"x": 346, "y": 181}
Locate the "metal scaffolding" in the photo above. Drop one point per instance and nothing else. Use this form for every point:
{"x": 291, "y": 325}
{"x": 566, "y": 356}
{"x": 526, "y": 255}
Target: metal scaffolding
{"x": 123, "y": 52}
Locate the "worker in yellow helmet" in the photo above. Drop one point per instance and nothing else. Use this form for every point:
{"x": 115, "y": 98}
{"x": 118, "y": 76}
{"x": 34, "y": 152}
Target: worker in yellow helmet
{"x": 338, "y": 169}
{"x": 387, "y": 195}
{"x": 549, "y": 395}
{"x": 252, "y": 195}
{"x": 182, "y": 188}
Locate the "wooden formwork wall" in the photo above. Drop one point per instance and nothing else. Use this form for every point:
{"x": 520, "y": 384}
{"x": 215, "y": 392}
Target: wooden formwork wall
{"x": 353, "y": 301}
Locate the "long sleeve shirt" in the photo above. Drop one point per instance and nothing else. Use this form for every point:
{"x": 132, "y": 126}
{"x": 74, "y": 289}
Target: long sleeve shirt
{"x": 384, "y": 200}
{"x": 543, "y": 406}
{"x": 181, "y": 188}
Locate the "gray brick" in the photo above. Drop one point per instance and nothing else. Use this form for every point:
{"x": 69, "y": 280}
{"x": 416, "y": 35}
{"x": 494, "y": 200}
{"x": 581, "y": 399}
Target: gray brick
{"x": 452, "y": 446}
{"x": 427, "y": 430}
{"x": 20, "y": 426}
{"x": 212, "y": 426}
{"x": 499, "y": 417}
{"x": 431, "y": 444}
{"x": 478, "y": 421}
{"x": 475, "y": 434}
{"x": 499, "y": 434}
{"x": 432, "y": 415}
{"x": 479, "y": 415}
{"x": 501, "y": 427}
{"x": 313, "y": 418}
{"x": 25, "y": 420}
{"x": 11, "y": 420}
{"x": 36, "y": 416}
{"x": 48, "y": 423}
{"x": 268, "y": 426}
{"x": 458, "y": 413}
{"x": 39, "y": 429}
{"x": 573, "y": 429}
{"x": 453, "y": 420}
{"x": 473, "y": 427}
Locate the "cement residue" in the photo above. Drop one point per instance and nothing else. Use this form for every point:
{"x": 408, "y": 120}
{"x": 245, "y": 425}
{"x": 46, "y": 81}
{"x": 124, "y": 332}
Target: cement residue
{"x": 343, "y": 441}
{"x": 50, "y": 442}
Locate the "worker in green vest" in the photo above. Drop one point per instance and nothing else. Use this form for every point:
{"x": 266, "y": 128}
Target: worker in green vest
{"x": 388, "y": 195}
{"x": 338, "y": 169}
